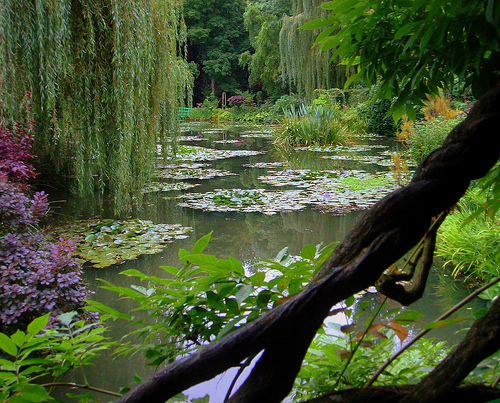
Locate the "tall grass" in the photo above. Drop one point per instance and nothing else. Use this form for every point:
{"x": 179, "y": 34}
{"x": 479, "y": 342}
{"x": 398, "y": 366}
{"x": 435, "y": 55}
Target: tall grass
{"x": 470, "y": 247}
{"x": 318, "y": 125}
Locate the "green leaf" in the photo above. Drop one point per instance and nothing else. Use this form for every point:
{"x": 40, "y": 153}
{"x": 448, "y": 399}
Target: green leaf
{"x": 133, "y": 273}
{"x": 66, "y": 318}
{"x": 442, "y": 323}
{"x": 7, "y": 345}
{"x": 405, "y": 29}
{"x": 201, "y": 243}
{"x": 308, "y": 252}
{"x": 204, "y": 261}
{"x": 316, "y": 24}
{"x": 215, "y": 301}
{"x": 106, "y": 309}
{"x": 243, "y": 293}
{"x": 33, "y": 393}
{"x": 38, "y": 324}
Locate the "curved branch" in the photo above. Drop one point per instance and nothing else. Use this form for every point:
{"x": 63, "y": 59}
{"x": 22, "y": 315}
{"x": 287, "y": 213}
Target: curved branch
{"x": 385, "y": 233}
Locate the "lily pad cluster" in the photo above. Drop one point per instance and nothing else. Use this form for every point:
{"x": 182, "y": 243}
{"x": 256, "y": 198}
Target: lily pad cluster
{"x": 266, "y": 165}
{"x": 246, "y": 201}
{"x": 198, "y": 171}
{"x": 337, "y": 192}
{"x": 195, "y": 153}
{"x": 107, "y": 242}
{"x": 267, "y": 134}
{"x": 167, "y": 187}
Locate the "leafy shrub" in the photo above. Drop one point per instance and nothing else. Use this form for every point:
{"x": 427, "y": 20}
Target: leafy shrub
{"x": 286, "y": 102}
{"x": 28, "y": 356}
{"x": 237, "y": 100}
{"x": 209, "y": 297}
{"x": 427, "y": 136}
{"x": 36, "y": 276}
{"x": 376, "y": 117}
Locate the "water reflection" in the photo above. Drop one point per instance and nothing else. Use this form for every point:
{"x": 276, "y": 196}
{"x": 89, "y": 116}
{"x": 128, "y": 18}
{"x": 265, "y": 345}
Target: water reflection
{"x": 245, "y": 236}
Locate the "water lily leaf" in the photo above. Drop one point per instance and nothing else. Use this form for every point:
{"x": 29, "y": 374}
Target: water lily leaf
{"x": 104, "y": 243}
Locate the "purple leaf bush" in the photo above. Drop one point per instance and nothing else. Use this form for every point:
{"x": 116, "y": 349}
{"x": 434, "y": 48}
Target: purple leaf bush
{"x": 237, "y": 100}
{"x": 36, "y": 276}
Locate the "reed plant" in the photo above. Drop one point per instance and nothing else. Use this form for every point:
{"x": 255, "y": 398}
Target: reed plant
{"x": 319, "y": 125}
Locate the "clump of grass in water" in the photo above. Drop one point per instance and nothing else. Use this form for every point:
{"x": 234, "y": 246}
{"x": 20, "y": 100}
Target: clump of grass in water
{"x": 320, "y": 125}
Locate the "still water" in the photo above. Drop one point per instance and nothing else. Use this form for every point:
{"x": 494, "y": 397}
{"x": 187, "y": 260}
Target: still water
{"x": 245, "y": 236}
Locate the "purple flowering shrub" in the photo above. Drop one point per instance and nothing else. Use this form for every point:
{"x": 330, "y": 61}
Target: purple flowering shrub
{"x": 15, "y": 146}
{"x": 36, "y": 276}
{"x": 237, "y": 100}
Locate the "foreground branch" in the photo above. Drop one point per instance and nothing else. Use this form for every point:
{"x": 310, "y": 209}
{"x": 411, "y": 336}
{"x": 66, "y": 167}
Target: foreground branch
{"x": 387, "y": 231}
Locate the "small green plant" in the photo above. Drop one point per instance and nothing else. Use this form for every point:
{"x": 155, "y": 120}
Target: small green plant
{"x": 345, "y": 356}
{"x": 48, "y": 354}
{"x": 427, "y": 136}
{"x": 207, "y": 298}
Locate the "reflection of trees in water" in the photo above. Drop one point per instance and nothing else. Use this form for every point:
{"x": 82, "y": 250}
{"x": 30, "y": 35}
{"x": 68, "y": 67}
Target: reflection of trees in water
{"x": 312, "y": 227}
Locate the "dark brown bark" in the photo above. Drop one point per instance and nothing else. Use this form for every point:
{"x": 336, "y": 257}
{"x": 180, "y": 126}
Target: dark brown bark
{"x": 393, "y": 394}
{"x": 386, "y": 232}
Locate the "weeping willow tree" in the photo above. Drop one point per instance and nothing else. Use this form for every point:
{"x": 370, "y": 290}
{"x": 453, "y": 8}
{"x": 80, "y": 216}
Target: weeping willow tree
{"x": 107, "y": 77}
{"x": 303, "y": 65}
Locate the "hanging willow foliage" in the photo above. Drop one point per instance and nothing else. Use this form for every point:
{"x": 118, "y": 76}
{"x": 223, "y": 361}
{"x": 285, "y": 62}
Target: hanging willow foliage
{"x": 107, "y": 77}
{"x": 304, "y": 66}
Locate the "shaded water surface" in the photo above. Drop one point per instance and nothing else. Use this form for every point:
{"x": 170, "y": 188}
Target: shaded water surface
{"x": 245, "y": 236}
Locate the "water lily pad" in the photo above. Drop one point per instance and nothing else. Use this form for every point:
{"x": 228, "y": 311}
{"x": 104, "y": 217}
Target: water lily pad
{"x": 261, "y": 133}
{"x": 107, "y": 242}
{"x": 167, "y": 187}
{"x": 266, "y": 164}
{"x": 191, "y": 138}
{"x": 191, "y": 173}
{"x": 247, "y": 201}
{"x": 195, "y": 153}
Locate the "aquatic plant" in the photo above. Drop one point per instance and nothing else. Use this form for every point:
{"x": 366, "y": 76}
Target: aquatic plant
{"x": 306, "y": 126}
{"x": 107, "y": 242}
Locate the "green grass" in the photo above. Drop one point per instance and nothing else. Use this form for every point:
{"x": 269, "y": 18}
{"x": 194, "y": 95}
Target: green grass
{"x": 471, "y": 248}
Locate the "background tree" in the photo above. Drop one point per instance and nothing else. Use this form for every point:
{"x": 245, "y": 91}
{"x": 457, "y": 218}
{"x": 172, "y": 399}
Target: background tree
{"x": 416, "y": 47}
{"x": 216, "y": 38}
{"x": 106, "y": 78}
{"x": 306, "y": 67}
{"x": 263, "y": 21}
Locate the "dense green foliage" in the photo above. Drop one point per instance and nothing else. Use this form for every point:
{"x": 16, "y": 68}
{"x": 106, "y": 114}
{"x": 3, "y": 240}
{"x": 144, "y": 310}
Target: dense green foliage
{"x": 429, "y": 135}
{"x": 263, "y": 20}
{"x": 106, "y": 78}
{"x": 320, "y": 125}
{"x": 305, "y": 67}
{"x": 414, "y": 47}
{"x": 470, "y": 247}
{"x": 216, "y": 38}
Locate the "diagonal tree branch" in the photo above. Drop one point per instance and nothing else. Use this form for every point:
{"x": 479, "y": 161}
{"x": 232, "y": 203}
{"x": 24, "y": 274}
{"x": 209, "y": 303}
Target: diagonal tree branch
{"x": 387, "y": 231}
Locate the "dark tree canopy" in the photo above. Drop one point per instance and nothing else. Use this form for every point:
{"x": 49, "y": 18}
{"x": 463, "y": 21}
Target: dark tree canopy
{"x": 216, "y": 38}
{"x": 415, "y": 47}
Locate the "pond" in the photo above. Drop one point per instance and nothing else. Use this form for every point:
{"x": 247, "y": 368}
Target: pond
{"x": 258, "y": 200}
